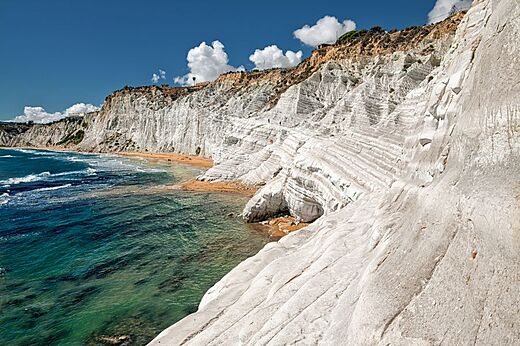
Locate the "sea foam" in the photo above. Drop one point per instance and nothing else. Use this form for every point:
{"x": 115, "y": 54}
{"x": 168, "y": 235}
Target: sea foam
{"x": 4, "y": 198}
{"x": 52, "y": 188}
{"x": 27, "y": 179}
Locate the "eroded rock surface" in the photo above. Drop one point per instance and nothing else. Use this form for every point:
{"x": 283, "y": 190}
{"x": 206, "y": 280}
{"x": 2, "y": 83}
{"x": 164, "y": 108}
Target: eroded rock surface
{"x": 404, "y": 149}
{"x": 317, "y": 136}
{"x": 427, "y": 251}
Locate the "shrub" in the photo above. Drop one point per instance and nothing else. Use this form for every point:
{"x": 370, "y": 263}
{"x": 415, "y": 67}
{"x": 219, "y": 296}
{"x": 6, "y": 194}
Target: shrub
{"x": 75, "y": 137}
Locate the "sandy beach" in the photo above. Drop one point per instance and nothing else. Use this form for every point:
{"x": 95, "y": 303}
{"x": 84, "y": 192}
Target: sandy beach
{"x": 197, "y": 161}
{"x": 279, "y": 227}
{"x": 222, "y": 187}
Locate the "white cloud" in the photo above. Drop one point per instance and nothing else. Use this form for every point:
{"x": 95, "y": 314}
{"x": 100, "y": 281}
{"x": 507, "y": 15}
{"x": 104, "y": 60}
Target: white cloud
{"x": 156, "y": 77}
{"x": 326, "y": 30}
{"x": 206, "y": 63}
{"x": 40, "y": 115}
{"x": 442, "y": 9}
{"x": 272, "y": 56}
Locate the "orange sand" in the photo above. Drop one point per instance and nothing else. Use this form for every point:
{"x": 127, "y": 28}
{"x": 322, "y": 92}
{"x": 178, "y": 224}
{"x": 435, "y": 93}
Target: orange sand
{"x": 228, "y": 187}
{"x": 198, "y": 161}
{"x": 279, "y": 227}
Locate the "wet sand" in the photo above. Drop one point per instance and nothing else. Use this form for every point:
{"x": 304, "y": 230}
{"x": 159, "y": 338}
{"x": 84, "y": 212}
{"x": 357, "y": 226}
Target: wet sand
{"x": 279, "y": 227}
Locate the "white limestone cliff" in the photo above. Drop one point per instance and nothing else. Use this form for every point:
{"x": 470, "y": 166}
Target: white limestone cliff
{"x": 317, "y": 136}
{"x": 405, "y": 154}
{"x": 427, "y": 250}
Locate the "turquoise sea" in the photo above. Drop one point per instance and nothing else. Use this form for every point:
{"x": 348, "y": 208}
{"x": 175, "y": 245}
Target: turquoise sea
{"x": 94, "y": 246}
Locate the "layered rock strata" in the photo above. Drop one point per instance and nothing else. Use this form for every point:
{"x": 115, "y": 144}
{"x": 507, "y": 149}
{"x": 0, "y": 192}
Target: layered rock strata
{"x": 405, "y": 154}
{"x": 316, "y": 137}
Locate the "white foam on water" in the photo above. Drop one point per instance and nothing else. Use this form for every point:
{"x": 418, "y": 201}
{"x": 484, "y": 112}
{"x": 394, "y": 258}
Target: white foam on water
{"x": 34, "y": 152}
{"x": 4, "y": 198}
{"x": 41, "y": 176}
{"x": 23, "y": 150}
{"x": 52, "y": 188}
{"x": 88, "y": 171}
{"x": 113, "y": 163}
{"x": 27, "y": 179}
{"x": 73, "y": 159}
{"x": 5, "y": 156}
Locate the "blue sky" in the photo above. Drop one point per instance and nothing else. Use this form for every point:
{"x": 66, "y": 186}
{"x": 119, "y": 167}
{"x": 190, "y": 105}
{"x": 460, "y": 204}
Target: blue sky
{"x": 57, "y": 53}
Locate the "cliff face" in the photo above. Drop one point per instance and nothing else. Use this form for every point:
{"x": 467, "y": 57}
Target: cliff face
{"x": 403, "y": 146}
{"x": 64, "y": 133}
{"x": 426, "y": 250}
{"x": 318, "y": 135}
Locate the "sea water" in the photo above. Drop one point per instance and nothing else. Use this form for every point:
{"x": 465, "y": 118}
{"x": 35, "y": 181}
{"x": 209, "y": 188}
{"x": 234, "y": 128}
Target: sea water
{"x": 95, "y": 246}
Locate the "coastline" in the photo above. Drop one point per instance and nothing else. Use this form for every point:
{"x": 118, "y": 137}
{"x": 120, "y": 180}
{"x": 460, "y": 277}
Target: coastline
{"x": 192, "y": 160}
{"x": 276, "y": 228}
{"x": 148, "y": 244}
{"x": 197, "y": 161}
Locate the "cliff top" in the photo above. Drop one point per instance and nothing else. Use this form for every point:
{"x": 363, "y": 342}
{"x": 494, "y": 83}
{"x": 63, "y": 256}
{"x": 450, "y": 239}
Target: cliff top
{"x": 354, "y": 44}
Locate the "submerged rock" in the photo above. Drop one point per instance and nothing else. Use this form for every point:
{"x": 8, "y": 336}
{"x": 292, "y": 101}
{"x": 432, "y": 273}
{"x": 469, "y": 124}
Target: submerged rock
{"x": 119, "y": 340}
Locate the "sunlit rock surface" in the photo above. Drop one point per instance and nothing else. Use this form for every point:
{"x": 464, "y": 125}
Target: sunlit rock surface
{"x": 316, "y": 137}
{"x": 406, "y": 155}
{"x": 427, "y": 250}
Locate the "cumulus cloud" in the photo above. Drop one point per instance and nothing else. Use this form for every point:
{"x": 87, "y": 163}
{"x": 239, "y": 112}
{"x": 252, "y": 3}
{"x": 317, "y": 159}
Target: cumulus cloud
{"x": 40, "y": 115}
{"x": 157, "y": 77}
{"x": 326, "y": 30}
{"x": 272, "y": 56}
{"x": 206, "y": 62}
{"x": 442, "y": 9}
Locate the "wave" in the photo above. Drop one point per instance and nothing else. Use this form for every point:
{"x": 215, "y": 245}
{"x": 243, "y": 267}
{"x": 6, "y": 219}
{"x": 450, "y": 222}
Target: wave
{"x": 33, "y": 151}
{"x": 73, "y": 159}
{"x": 5, "y": 156}
{"x": 36, "y": 177}
{"x": 27, "y": 179}
{"x": 52, "y": 188}
{"x": 26, "y": 151}
{"x": 88, "y": 171}
{"x": 4, "y": 198}
{"x": 46, "y": 176}
{"x": 112, "y": 162}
